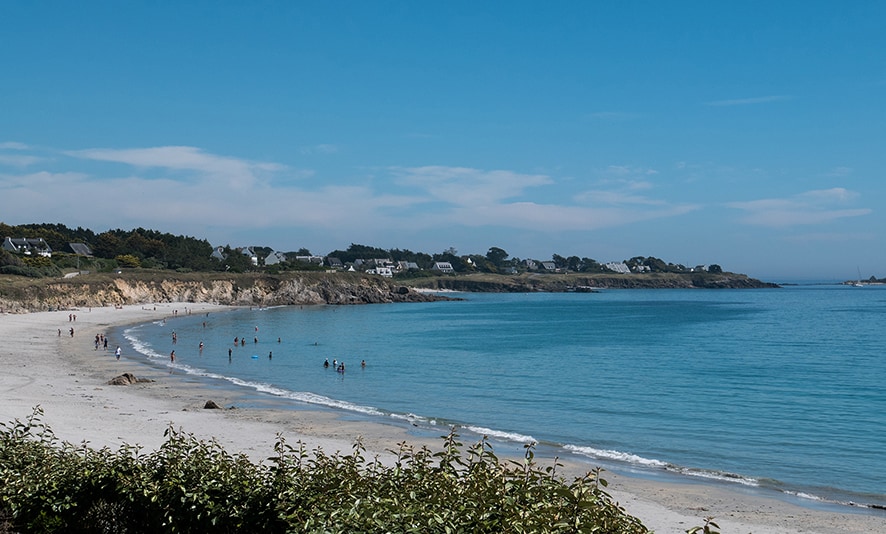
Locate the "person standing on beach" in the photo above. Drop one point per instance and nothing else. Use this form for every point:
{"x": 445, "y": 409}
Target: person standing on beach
{"x": 172, "y": 356}
{"x": 118, "y": 352}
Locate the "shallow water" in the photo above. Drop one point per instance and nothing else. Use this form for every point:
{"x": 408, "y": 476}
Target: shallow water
{"x": 775, "y": 388}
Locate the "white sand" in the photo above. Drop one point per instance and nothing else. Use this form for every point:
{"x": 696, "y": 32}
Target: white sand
{"x": 67, "y": 378}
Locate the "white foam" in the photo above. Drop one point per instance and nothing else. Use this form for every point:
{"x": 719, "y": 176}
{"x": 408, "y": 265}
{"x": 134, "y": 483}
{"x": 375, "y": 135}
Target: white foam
{"x": 509, "y": 436}
{"x": 615, "y": 455}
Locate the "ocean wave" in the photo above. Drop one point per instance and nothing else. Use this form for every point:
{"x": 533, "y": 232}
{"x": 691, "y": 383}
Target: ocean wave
{"x": 619, "y": 456}
{"x": 498, "y": 434}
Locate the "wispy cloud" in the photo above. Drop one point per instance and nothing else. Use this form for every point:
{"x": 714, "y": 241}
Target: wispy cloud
{"x": 614, "y": 116}
{"x": 839, "y": 172}
{"x": 13, "y": 145}
{"x": 18, "y": 160}
{"x": 465, "y": 186}
{"x": 188, "y": 190}
{"x": 812, "y": 207}
{"x": 319, "y": 149}
{"x": 239, "y": 173}
{"x": 749, "y": 101}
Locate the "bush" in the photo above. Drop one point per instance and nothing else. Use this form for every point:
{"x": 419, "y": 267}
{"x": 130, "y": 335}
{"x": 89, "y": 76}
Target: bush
{"x": 189, "y": 485}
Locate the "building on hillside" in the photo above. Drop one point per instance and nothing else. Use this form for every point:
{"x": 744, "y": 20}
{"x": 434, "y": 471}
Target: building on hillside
{"x": 618, "y": 267}
{"x": 335, "y": 263}
{"x": 314, "y": 260}
{"x": 249, "y": 252}
{"x": 407, "y": 266}
{"x": 443, "y": 267}
{"x": 530, "y": 265}
{"x": 550, "y": 267}
{"x": 80, "y": 249}
{"x": 382, "y": 271}
{"x": 275, "y": 258}
{"x": 27, "y": 246}
{"x": 219, "y": 254}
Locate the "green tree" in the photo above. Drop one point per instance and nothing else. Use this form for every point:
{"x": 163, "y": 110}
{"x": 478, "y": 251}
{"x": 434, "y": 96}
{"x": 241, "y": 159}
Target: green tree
{"x": 496, "y": 256}
{"x": 128, "y": 260}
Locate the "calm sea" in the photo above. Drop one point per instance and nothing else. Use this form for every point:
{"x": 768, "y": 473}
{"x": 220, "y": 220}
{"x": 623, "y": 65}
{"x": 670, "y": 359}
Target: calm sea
{"x": 778, "y": 389}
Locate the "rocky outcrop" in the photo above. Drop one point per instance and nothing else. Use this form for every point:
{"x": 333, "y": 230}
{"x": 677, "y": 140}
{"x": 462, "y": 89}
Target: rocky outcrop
{"x": 127, "y": 379}
{"x": 584, "y": 283}
{"x": 99, "y": 290}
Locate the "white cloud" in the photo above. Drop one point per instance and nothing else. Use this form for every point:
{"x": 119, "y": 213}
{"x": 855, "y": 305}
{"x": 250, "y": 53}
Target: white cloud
{"x": 18, "y": 160}
{"x": 749, "y": 101}
{"x": 13, "y": 145}
{"x": 238, "y": 173}
{"x": 468, "y": 187}
{"x": 319, "y": 149}
{"x": 189, "y": 191}
{"x": 808, "y": 208}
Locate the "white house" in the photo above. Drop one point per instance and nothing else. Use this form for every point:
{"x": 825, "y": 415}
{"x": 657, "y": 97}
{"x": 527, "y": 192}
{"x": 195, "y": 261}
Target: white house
{"x": 27, "y": 246}
{"x": 619, "y": 267}
{"x": 383, "y": 271}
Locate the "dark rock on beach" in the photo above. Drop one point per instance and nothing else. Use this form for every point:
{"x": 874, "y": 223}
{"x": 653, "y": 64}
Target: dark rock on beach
{"x": 127, "y": 379}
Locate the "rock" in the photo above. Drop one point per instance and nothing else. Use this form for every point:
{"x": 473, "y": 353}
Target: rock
{"x": 126, "y": 379}
{"x": 211, "y": 405}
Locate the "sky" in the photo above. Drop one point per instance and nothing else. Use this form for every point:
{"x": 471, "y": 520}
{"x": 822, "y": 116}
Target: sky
{"x": 747, "y": 134}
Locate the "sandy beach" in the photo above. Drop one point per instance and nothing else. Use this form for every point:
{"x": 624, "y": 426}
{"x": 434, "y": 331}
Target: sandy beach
{"x": 43, "y": 365}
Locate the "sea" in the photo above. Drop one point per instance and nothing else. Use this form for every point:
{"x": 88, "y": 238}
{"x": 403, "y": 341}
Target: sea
{"x": 777, "y": 390}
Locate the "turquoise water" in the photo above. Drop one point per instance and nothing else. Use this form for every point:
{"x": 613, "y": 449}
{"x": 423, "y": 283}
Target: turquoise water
{"x": 780, "y": 389}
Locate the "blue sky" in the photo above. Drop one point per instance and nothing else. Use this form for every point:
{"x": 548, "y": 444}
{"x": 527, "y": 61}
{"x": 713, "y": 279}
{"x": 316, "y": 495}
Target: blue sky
{"x": 749, "y": 134}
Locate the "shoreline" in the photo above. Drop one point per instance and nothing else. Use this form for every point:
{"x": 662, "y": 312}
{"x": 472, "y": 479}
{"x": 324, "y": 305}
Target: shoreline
{"x": 67, "y": 378}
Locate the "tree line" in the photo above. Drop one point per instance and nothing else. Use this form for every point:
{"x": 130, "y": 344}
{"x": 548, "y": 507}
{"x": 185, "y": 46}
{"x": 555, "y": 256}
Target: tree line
{"x": 153, "y": 249}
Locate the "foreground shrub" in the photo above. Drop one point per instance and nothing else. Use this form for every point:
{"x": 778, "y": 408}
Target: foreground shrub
{"x": 189, "y": 485}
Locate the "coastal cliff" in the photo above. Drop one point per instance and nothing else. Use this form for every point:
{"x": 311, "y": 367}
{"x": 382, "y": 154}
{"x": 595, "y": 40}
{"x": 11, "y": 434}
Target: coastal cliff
{"x": 524, "y": 283}
{"x": 96, "y": 290}
{"x": 19, "y": 294}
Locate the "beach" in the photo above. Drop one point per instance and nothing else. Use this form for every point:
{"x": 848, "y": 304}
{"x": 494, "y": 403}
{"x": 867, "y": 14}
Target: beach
{"x": 44, "y": 365}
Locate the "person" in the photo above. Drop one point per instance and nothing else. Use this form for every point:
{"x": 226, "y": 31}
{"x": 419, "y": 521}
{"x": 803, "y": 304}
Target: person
{"x": 201, "y": 347}
{"x": 118, "y": 352}
{"x": 270, "y": 355}
{"x": 362, "y": 363}
{"x": 229, "y": 353}
{"x": 172, "y": 356}
{"x": 326, "y": 363}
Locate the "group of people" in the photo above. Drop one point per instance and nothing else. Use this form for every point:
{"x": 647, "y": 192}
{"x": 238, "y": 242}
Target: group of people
{"x": 340, "y": 366}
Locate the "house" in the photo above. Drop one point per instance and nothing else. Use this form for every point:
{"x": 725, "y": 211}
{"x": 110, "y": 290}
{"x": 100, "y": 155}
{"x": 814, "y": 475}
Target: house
{"x": 407, "y": 266}
{"x": 335, "y": 263}
{"x": 250, "y": 253}
{"x": 275, "y": 258}
{"x": 530, "y": 265}
{"x": 618, "y": 267}
{"x": 27, "y": 246}
{"x": 383, "y": 271}
{"x": 219, "y": 254}
{"x": 443, "y": 267}
{"x": 549, "y": 266}
{"x": 316, "y": 260}
{"x": 80, "y": 249}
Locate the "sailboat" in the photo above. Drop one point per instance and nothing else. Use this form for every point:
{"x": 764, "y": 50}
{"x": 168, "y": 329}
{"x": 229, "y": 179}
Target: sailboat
{"x": 858, "y": 280}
